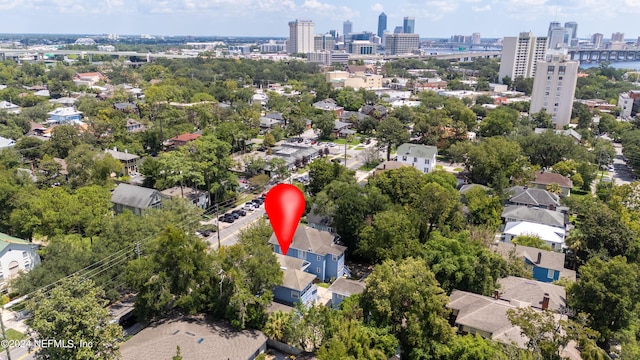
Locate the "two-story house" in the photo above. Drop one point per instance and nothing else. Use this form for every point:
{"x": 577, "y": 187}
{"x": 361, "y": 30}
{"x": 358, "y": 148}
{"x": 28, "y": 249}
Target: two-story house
{"x": 196, "y": 197}
{"x": 297, "y": 284}
{"x": 129, "y": 161}
{"x": 319, "y": 249}
{"x": 534, "y": 215}
{"x": 16, "y": 255}
{"x": 134, "y": 126}
{"x": 136, "y": 199}
{"x": 421, "y": 157}
{"x": 64, "y": 115}
{"x": 88, "y": 79}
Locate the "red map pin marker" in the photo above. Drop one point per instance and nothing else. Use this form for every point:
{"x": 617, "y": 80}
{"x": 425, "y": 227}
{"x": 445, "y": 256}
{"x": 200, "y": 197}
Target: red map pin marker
{"x": 285, "y": 205}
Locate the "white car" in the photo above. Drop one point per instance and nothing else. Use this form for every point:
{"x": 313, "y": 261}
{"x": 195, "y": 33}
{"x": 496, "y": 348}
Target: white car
{"x": 249, "y": 207}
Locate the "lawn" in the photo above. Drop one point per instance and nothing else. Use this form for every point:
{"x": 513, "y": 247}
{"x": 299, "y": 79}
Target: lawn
{"x": 341, "y": 141}
{"x": 367, "y": 167}
{"x": 303, "y": 170}
{"x": 458, "y": 169}
{"x": 12, "y": 334}
{"x": 439, "y": 167}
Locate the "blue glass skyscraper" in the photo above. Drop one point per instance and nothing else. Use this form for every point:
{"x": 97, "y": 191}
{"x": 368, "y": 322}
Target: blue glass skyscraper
{"x": 409, "y": 25}
{"x": 382, "y": 24}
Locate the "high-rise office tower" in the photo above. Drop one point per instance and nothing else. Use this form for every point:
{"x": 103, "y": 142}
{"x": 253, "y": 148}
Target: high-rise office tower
{"x": 596, "y": 40}
{"x": 323, "y": 42}
{"x": 301, "y": 34}
{"x": 398, "y": 30}
{"x": 382, "y": 24}
{"x": 519, "y": 55}
{"x": 475, "y": 39}
{"x": 556, "y": 40}
{"x": 408, "y": 25}
{"x": 554, "y": 87}
{"x": 401, "y": 43}
{"x": 347, "y": 28}
{"x": 553, "y": 25}
{"x": 617, "y": 37}
{"x": 571, "y": 36}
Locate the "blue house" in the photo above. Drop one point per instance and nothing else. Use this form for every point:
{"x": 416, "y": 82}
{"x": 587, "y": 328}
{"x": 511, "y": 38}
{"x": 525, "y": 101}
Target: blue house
{"x": 64, "y": 115}
{"x": 343, "y": 288}
{"x": 546, "y": 266}
{"x": 319, "y": 249}
{"x": 297, "y": 285}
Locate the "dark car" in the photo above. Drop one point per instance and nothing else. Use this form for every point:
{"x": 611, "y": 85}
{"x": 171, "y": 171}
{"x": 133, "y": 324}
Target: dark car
{"x": 228, "y": 218}
{"x": 234, "y": 215}
{"x": 240, "y": 212}
{"x": 258, "y": 201}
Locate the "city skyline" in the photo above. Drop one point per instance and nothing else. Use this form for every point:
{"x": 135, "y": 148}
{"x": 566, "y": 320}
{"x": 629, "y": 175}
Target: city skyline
{"x": 269, "y": 18}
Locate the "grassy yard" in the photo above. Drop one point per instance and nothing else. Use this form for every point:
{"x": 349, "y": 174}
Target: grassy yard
{"x": 341, "y": 141}
{"x": 302, "y": 170}
{"x": 458, "y": 169}
{"x": 439, "y": 167}
{"x": 12, "y": 334}
{"x": 367, "y": 167}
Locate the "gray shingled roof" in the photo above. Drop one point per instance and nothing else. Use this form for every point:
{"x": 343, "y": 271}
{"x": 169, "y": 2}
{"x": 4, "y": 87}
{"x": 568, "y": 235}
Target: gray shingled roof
{"x": 548, "y": 259}
{"x": 347, "y": 287}
{"x": 197, "y": 338}
{"x": 416, "y": 150}
{"x": 312, "y": 240}
{"x": 120, "y": 155}
{"x": 532, "y": 292}
{"x": 537, "y": 215}
{"x": 136, "y": 197}
{"x": 533, "y": 197}
{"x": 293, "y": 276}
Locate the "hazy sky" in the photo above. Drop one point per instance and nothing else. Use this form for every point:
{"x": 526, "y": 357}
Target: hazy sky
{"x": 434, "y": 18}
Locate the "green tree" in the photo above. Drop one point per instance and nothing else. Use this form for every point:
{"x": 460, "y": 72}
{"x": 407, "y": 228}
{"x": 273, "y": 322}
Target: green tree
{"x": 405, "y": 297}
{"x": 474, "y": 347}
{"x": 322, "y": 172}
{"x": 74, "y": 311}
{"x": 499, "y": 122}
{"x": 459, "y": 262}
{"x": 169, "y": 275}
{"x": 484, "y": 209}
{"x": 324, "y": 123}
{"x": 391, "y": 133}
{"x": 531, "y": 241}
{"x": 392, "y": 235}
{"x": 63, "y": 139}
{"x": 547, "y": 337}
{"x": 608, "y": 291}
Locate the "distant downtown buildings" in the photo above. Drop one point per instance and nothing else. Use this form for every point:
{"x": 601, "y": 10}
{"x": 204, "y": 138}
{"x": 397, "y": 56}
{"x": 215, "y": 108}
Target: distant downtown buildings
{"x": 520, "y": 54}
{"x": 302, "y": 39}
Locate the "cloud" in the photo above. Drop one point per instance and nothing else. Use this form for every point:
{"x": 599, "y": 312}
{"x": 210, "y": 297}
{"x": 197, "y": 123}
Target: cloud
{"x": 318, "y": 6}
{"x": 377, "y": 7}
{"x": 487, "y": 7}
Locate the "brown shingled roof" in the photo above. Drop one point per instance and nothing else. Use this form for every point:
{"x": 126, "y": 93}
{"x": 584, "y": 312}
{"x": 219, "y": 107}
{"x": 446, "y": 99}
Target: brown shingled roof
{"x": 548, "y": 178}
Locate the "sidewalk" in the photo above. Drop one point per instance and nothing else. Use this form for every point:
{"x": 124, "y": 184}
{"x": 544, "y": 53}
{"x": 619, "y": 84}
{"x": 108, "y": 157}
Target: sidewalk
{"x": 10, "y": 322}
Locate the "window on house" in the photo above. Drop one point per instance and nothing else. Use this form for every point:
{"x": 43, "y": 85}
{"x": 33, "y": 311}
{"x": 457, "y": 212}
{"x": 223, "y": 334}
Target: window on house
{"x": 404, "y": 158}
{"x": 294, "y": 294}
{"x": 25, "y": 255}
{"x": 319, "y": 258}
{"x": 551, "y": 69}
{"x": 318, "y": 270}
{"x": 303, "y": 254}
{"x": 334, "y": 258}
{"x": 550, "y": 273}
{"x": 415, "y": 160}
{"x": 562, "y": 70}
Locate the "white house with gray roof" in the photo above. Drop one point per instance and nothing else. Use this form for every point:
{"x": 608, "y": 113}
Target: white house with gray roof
{"x": 136, "y": 199}
{"x": 16, "y": 255}
{"x": 421, "y": 157}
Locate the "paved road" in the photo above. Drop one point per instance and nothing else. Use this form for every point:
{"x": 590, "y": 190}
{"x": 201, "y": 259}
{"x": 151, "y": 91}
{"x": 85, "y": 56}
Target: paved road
{"x": 622, "y": 174}
{"x": 229, "y": 232}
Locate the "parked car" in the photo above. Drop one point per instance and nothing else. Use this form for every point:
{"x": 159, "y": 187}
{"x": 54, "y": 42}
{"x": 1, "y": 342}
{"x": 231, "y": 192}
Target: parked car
{"x": 228, "y": 219}
{"x": 234, "y": 215}
{"x": 611, "y": 168}
{"x": 240, "y": 212}
{"x": 257, "y": 202}
{"x": 249, "y": 206}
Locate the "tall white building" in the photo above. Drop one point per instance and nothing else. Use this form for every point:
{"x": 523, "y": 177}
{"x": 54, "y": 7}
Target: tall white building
{"x": 401, "y": 43}
{"x": 475, "y": 39}
{"x": 519, "y": 55}
{"x": 554, "y": 87}
{"x": 301, "y": 35}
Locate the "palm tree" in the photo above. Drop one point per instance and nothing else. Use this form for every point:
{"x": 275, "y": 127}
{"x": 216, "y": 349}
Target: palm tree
{"x": 276, "y": 325}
